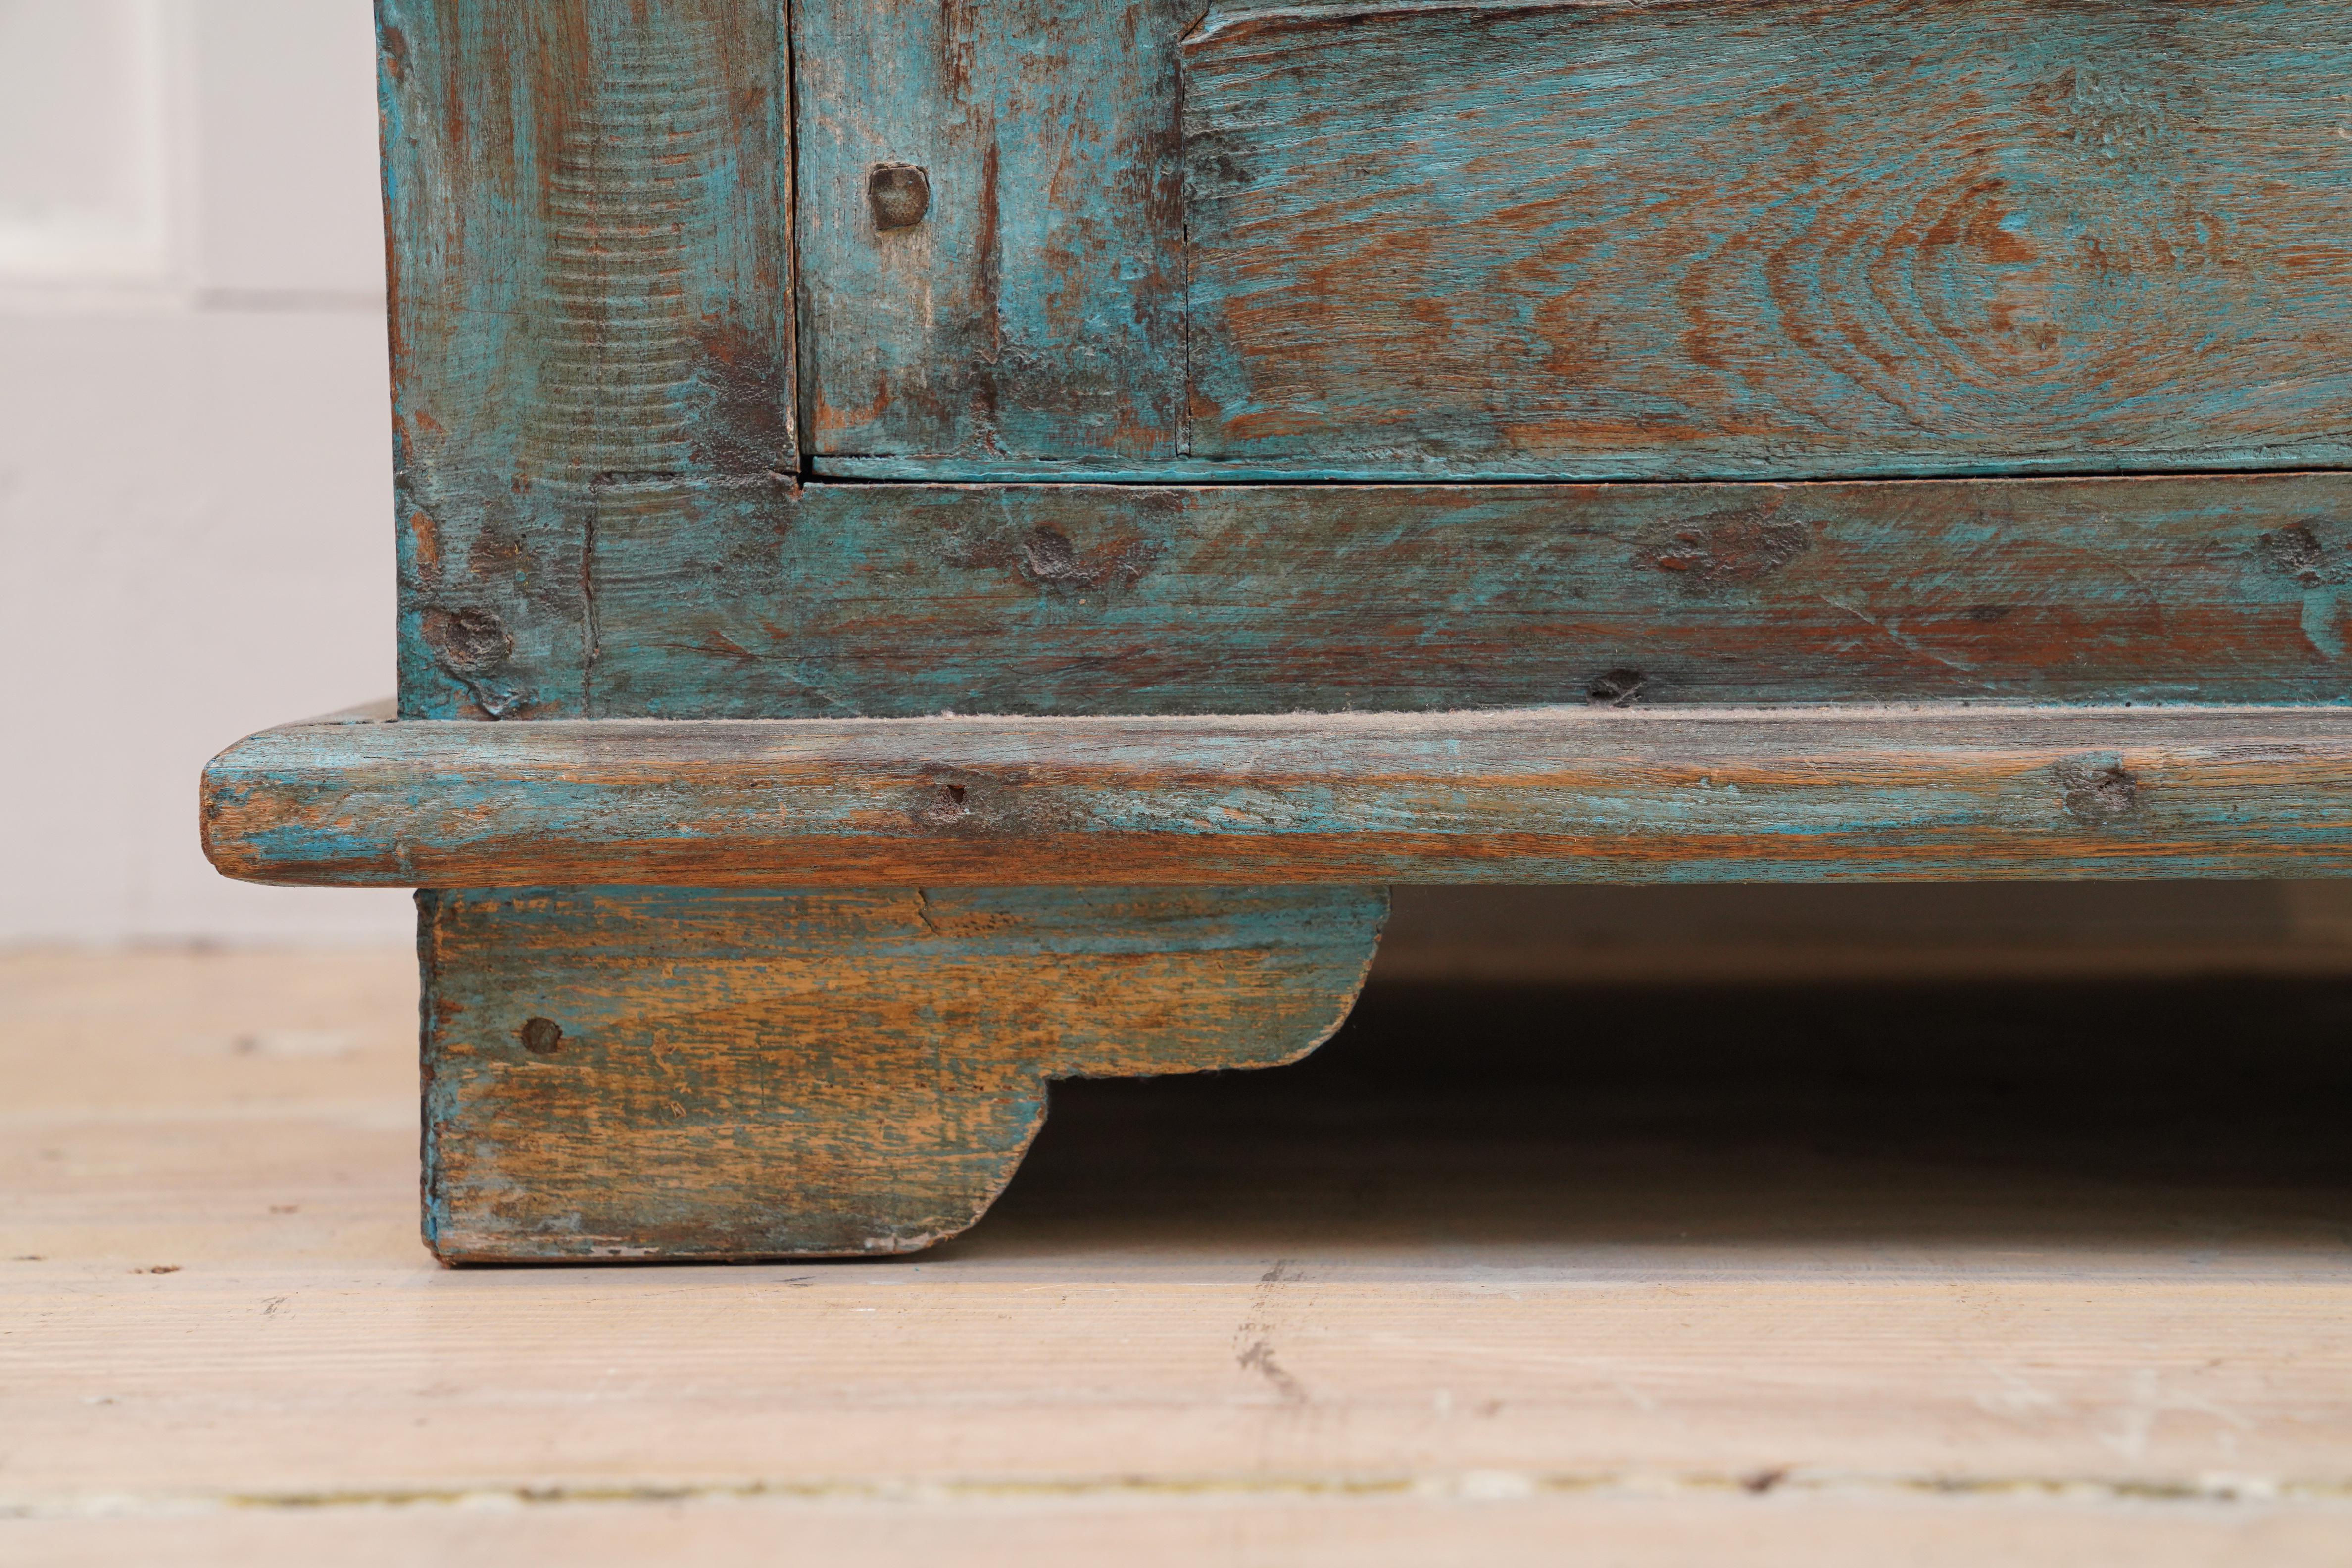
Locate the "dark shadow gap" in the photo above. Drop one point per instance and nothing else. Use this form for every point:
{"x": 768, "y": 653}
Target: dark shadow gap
{"x": 2105, "y": 1115}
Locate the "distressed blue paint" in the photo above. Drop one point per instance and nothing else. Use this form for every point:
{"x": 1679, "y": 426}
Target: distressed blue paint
{"x": 1718, "y": 240}
{"x": 590, "y": 275}
{"x": 1403, "y": 261}
{"x": 598, "y": 515}
{"x": 1524, "y": 796}
{"x": 840, "y": 601}
{"x": 1035, "y": 312}
{"x": 1529, "y": 241}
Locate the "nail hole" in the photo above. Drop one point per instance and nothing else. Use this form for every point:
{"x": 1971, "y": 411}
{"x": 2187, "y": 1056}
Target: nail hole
{"x": 1618, "y": 689}
{"x": 2096, "y": 793}
{"x": 542, "y": 1037}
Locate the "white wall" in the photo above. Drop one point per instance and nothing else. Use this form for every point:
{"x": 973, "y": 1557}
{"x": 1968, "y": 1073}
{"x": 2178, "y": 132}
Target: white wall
{"x": 195, "y": 453}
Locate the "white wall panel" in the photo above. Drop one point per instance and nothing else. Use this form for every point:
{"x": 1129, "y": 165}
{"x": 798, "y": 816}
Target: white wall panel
{"x": 88, "y": 99}
{"x": 195, "y": 452}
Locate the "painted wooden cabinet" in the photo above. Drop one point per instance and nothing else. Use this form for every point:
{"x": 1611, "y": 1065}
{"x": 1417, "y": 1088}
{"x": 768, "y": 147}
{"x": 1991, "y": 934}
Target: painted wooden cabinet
{"x": 947, "y": 545}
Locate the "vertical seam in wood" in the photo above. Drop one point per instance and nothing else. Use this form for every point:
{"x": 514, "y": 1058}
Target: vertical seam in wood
{"x": 1184, "y": 389}
{"x": 797, "y": 403}
{"x": 591, "y": 643}
{"x": 428, "y": 965}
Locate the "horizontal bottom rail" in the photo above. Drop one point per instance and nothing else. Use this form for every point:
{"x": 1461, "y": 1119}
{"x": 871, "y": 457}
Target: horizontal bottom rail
{"x": 1547, "y": 795}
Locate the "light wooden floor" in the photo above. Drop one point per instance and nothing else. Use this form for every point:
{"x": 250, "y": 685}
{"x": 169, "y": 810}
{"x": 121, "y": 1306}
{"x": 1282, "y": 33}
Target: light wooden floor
{"x": 1783, "y": 1277}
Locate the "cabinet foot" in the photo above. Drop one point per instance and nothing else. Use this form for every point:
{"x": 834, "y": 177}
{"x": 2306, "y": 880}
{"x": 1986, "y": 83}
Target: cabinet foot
{"x": 710, "y": 1073}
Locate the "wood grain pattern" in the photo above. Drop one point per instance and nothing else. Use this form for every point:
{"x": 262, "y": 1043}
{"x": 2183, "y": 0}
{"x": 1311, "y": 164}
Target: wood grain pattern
{"x": 1161, "y": 1528}
{"x": 1532, "y": 795}
{"x": 679, "y": 1073}
{"x": 1035, "y": 313}
{"x": 898, "y": 601}
{"x": 591, "y": 283}
{"x": 1732, "y": 238}
{"x": 1963, "y": 1330}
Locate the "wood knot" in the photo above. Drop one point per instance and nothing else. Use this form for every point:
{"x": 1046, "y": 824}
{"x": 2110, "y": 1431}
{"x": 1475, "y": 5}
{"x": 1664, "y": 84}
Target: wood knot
{"x": 468, "y": 642}
{"x": 2296, "y": 551}
{"x": 1047, "y": 558}
{"x": 1728, "y": 547}
{"x": 945, "y": 807}
{"x": 2098, "y": 792}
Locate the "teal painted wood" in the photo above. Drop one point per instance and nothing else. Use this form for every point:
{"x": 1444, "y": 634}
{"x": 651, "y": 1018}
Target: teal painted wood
{"x": 1738, "y": 238}
{"x": 1529, "y": 795}
{"x": 687, "y": 1073}
{"x": 590, "y": 283}
{"x": 1034, "y": 309}
{"x": 899, "y": 601}
{"x": 592, "y": 362}
{"x": 1576, "y": 240}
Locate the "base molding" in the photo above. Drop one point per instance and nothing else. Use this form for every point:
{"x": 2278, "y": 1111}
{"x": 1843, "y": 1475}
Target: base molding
{"x": 1524, "y": 796}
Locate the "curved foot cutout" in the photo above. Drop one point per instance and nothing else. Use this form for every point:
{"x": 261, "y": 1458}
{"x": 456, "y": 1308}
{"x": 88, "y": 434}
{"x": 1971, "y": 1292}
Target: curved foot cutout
{"x": 707, "y": 1073}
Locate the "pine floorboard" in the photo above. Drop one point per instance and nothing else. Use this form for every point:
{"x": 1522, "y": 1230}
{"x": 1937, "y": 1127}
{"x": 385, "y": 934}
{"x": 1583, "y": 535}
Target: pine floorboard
{"x": 2028, "y": 1272}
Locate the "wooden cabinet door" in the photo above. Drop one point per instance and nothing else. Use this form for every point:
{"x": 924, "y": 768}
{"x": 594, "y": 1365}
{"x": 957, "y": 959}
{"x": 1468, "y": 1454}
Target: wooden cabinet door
{"x": 1708, "y": 239}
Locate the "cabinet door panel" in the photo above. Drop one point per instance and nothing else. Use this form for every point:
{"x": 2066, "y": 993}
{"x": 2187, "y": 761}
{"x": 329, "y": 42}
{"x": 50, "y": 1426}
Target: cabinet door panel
{"x": 1757, "y": 236}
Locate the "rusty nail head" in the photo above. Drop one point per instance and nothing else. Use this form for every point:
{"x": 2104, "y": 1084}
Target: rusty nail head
{"x": 899, "y": 193}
